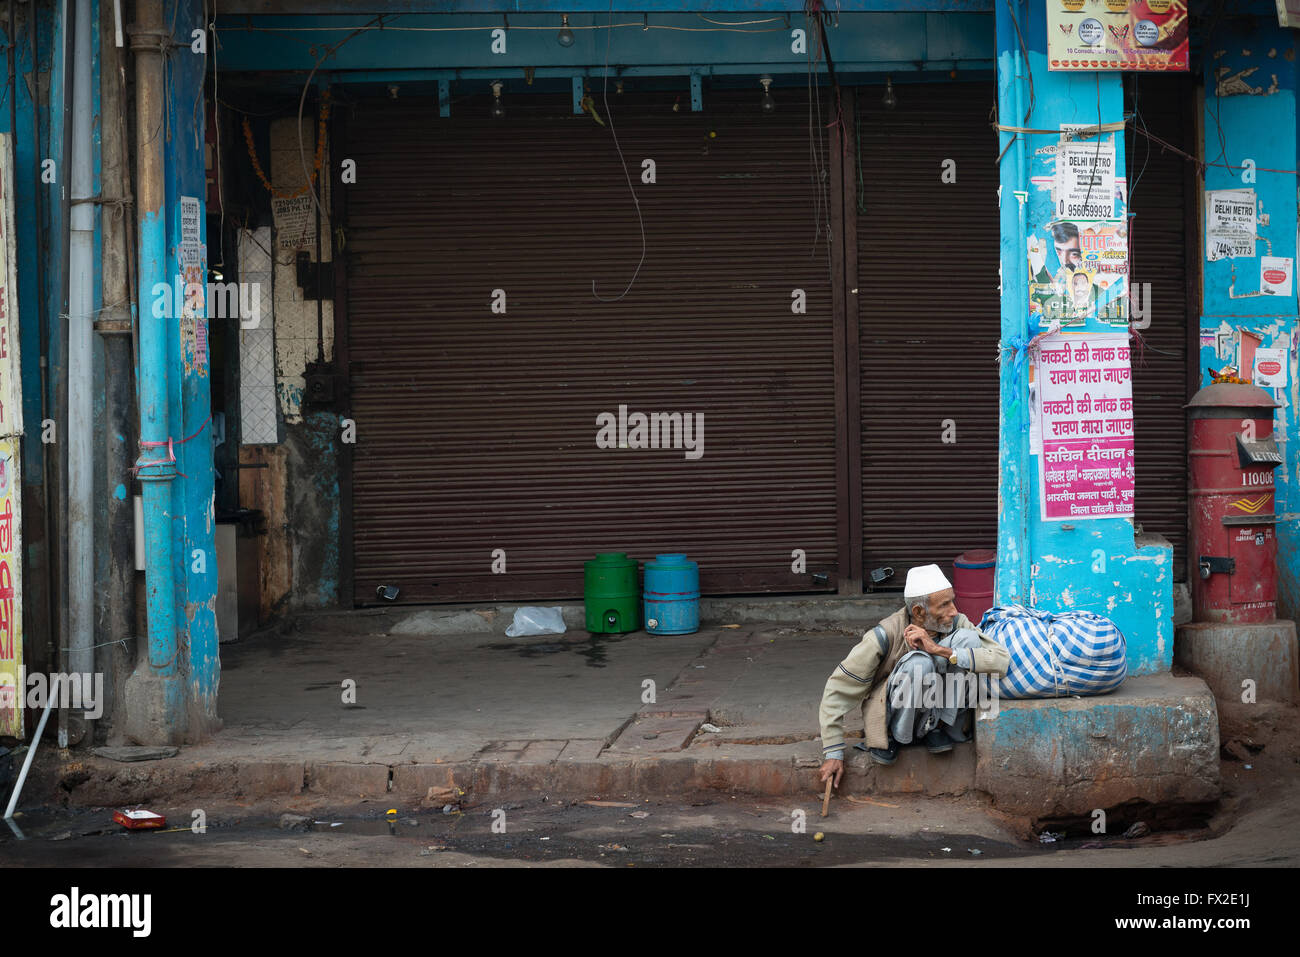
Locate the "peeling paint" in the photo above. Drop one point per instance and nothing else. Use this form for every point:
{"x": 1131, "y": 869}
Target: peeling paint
{"x": 1228, "y": 83}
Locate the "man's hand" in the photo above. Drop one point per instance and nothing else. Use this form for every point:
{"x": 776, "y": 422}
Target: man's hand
{"x": 932, "y": 647}
{"x": 915, "y": 635}
{"x": 832, "y": 768}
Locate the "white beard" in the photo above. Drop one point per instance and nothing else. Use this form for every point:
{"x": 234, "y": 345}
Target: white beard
{"x": 932, "y": 624}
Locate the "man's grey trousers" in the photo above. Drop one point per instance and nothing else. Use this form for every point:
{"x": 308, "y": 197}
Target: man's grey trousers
{"x": 920, "y": 699}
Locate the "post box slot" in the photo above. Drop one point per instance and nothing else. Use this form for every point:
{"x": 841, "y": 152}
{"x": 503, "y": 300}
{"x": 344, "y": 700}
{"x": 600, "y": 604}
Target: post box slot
{"x": 1263, "y": 452}
{"x": 1250, "y": 520}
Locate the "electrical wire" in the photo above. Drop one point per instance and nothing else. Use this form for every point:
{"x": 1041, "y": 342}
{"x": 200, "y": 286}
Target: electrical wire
{"x": 820, "y": 173}
{"x": 1209, "y": 33}
{"x": 302, "y": 156}
{"x": 1139, "y": 126}
{"x": 640, "y": 221}
{"x": 216, "y": 125}
{"x": 1096, "y": 156}
{"x": 741, "y": 23}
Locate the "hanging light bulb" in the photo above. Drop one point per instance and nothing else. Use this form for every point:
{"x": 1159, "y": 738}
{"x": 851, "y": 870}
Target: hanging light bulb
{"x": 565, "y": 36}
{"x": 768, "y": 102}
{"x": 498, "y": 108}
{"x": 889, "y": 99}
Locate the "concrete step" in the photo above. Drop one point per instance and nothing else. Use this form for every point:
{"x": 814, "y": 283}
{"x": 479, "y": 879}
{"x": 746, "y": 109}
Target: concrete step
{"x": 1243, "y": 662}
{"x": 827, "y": 612}
{"x": 1156, "y": 739}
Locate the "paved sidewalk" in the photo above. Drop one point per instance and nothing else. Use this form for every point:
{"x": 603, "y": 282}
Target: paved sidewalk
{"x": 485, "y": 711}
{"x": 601, "y": 717}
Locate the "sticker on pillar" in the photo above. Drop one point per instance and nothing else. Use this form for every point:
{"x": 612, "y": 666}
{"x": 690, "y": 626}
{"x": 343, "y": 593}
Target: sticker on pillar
{"x": 1270, "y": 369}
{"x": 194, "y": 289}
{"x": 1275, "y": 275}
{"x": 11, "y": 406}
{"x": 1229, "y": 224}
{"x": 1084, "y": 187}
{"x": 191, "y": 220}
{"x": 1135, "y": 35}
{"x": 1079, "y": 270}
{"x": 1035, "y": 411}
{"x": 295, "y": 222}
{"x": 11, "y": 616}
{"x": 1086, "y": 422}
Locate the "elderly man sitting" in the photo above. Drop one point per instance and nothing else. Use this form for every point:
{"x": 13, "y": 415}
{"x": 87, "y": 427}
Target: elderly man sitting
{"x": 903, "y": 650}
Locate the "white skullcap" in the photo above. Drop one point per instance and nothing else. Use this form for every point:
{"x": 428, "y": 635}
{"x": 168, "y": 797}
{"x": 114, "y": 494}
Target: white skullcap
{"x": 925, "y": 580}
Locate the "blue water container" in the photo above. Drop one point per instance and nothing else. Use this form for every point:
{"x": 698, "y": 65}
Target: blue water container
{"x": 672, "y": 595}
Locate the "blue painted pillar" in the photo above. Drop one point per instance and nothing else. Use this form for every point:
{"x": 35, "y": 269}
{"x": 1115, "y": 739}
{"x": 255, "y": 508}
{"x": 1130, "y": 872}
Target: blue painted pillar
{"x": 1012, "y": 584}
{"x": 189, "y": 374}
{"x": 1088, "y": 565}
{"x": 1250, "y": 131}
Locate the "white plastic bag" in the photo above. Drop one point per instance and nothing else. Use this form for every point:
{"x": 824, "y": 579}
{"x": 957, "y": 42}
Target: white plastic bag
{"x": 536, "y": 621}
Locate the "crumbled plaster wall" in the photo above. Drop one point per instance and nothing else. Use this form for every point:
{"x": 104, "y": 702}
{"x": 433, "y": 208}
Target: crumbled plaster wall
{"x": 295, "y": 318}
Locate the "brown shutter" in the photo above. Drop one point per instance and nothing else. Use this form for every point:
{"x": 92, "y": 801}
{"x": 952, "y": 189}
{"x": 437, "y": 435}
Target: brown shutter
{"x": 477, "y": 431}
{"x": 929, "y": 315}
{"x": 1157, "y": 251}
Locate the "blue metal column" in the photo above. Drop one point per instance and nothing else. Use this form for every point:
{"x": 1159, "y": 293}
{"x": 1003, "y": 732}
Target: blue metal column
{"x": 189, "y": 382}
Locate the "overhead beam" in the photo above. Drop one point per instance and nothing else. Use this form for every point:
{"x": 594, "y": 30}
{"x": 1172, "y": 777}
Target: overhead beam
{"x": 482, "y": 41}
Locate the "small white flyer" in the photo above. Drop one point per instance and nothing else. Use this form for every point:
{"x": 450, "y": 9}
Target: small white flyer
{"x": 1275, "y": 275}
{"x": 1270, "y": 368}
{"x": 1229, "y": 224}
{"x": 1084, "y": 186}
{"x": 191, "y": 227}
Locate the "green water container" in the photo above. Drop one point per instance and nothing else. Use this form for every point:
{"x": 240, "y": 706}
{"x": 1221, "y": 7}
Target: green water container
{"x": 611, "y": 594}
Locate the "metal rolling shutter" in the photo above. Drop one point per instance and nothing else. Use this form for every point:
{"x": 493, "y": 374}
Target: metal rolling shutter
{"x": 477, "y": 431}
{"x": 929, "y": 320}
{"x": 1157, "y": 244}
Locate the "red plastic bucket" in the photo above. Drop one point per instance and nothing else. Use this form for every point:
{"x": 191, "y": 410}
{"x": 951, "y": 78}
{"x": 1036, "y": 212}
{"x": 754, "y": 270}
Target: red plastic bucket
{"x": 972, "y": 577}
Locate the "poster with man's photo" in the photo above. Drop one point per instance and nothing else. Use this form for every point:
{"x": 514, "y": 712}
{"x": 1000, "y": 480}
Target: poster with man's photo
{"x": 1078, "y": 270}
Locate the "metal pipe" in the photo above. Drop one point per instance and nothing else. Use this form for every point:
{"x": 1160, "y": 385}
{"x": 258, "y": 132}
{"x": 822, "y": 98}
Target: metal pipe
{"x": 12, "y": 88}
{"x": 60, "y": 142}
{"x": 1020, "y": 428}
{"x": 148, "y": 41}
{"x": 43, "y": 336}
{"x": 31, "y": 753}
{"x": 81, "y": 304}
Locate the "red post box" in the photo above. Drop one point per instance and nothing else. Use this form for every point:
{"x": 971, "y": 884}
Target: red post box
{"x": 1234, "y": 549}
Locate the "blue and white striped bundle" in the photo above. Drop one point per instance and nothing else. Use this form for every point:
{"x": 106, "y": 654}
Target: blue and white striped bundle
{"x": 1054, "y": 655}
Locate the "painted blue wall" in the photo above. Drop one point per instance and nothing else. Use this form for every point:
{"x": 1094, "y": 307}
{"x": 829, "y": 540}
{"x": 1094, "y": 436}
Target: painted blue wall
{"x": 1250, "y": 115}
{"x": 1082, "y": 565}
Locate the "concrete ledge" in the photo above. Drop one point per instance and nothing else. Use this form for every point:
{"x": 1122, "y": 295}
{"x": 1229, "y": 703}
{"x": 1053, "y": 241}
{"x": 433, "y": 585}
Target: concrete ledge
{"x": 348, "y": 780}
{"x": 1156, "y": 739}
{"x": 827, "y": 611}
{"x": 916, "y": 771}
{"x": 1227, "y": 655}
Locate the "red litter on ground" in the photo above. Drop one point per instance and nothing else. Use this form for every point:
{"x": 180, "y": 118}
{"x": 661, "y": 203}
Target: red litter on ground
{"x": 139, "y": 820}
